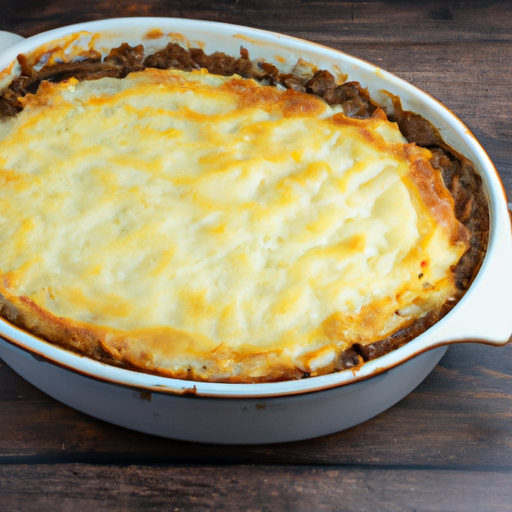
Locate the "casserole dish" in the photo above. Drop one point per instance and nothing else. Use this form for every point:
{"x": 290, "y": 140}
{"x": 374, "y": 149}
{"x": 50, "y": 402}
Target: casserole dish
{"x": 255, "y": 413}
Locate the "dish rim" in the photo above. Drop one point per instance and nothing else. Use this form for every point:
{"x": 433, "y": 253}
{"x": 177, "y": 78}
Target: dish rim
{"x": 56, "y": 355}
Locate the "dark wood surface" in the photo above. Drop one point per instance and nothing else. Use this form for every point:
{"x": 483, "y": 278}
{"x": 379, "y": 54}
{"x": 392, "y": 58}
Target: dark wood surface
{"x": 445, "y": 447}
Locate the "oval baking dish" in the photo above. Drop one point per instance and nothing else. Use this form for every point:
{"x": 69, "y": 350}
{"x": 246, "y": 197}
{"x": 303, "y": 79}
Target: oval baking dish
{"x": 290, "y": 410}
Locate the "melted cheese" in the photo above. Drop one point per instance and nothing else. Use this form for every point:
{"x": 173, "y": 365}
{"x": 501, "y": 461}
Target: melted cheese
{"x": 212, "y": 225}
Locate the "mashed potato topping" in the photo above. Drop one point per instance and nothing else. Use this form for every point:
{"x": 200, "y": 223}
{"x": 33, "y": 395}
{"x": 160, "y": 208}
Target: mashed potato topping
{"x": 214, "y": 228}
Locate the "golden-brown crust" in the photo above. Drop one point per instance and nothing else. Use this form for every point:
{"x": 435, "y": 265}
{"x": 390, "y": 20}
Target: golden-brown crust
{"x": 436, "y": 197}
{"x": 80, "y": 338}
{"x": 107, "y": 346}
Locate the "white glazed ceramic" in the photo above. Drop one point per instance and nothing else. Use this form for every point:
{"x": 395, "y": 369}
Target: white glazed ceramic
{"x": 283, "y": 411}
{"x": 8, "y": 39}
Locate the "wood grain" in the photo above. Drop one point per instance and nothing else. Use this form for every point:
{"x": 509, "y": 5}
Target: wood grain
{"x": 318, "y": 20}
{"x": 74, "y": 487}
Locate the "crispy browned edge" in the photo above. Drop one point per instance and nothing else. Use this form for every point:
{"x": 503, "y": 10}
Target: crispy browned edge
{"x": 459, "y": 175}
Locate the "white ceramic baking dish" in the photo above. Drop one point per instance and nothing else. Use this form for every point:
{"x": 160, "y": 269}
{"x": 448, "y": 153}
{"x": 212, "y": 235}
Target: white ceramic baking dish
{"x": 283, "y": 411}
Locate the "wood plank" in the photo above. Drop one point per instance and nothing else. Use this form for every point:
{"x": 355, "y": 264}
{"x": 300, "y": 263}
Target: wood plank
{"x": 419, "y": 21}
{"x": 67, "y": 488}
{"x": 458, "y": 417}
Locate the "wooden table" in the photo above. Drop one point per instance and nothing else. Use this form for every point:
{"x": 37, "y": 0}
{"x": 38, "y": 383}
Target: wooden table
{"x": 447, "y": 446}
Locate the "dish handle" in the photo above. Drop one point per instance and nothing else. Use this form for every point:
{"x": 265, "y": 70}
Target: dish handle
{"x": 484, "y": 315}
{"x": 8, "y": 39}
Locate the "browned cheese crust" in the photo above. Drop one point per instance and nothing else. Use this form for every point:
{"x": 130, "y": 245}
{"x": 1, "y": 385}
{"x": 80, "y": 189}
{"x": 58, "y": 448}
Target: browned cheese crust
{"x": 460, "y": 177}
